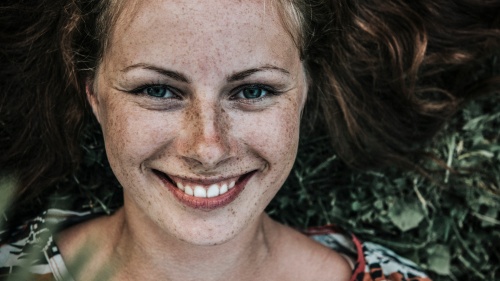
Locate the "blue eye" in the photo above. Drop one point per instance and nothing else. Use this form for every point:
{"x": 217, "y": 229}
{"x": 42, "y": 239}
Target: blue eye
{"x": 158, "y": 91}
{"x": 252, "y": 92}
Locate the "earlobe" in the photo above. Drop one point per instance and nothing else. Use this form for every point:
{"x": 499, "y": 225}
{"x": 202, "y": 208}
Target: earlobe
{"x": 302, "y": 107}
{"x": 92, "y": 98}
{"x": 305, "y": 90}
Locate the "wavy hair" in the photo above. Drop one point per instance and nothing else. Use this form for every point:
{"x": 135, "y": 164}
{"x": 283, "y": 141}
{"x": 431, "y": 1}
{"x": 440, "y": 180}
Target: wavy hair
{"x": 386, "y": 75}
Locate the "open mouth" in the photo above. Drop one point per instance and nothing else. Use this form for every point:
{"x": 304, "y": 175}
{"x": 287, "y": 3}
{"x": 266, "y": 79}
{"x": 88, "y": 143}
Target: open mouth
{"x": 205, "y": 193}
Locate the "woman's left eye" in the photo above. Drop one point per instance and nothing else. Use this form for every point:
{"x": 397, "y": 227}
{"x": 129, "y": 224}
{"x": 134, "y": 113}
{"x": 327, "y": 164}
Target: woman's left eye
{"x": 252, "y": 92}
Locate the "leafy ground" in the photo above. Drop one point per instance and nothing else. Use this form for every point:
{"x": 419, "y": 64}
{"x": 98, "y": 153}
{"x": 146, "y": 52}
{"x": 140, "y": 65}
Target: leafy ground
{"x": 449, "y": 223}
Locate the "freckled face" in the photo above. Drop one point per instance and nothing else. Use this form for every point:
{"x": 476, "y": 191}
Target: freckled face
{"x": 195, "y": 95}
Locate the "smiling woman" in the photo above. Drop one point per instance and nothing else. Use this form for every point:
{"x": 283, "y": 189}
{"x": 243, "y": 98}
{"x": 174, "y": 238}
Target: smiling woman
{"x": 202, "y": 132}
{"x": 200, "y": 105}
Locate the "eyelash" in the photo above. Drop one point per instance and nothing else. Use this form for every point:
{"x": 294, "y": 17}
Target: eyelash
{"x": 139, "y": 90}
{"x": 271, "y": 91}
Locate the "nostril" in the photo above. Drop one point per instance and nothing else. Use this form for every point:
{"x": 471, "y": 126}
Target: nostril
{"x": 204, "y": 152}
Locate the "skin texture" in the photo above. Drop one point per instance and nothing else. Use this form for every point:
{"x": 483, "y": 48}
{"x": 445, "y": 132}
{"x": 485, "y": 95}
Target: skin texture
{"x": 206, "y": 53}
{"x": 204, "y": 132}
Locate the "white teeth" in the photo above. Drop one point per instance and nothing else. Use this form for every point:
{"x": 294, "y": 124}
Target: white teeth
{"x": 188, "y": 190}
{"x": 199, "y": 191}
{"x": 213, "y": 191}
{"x": 223, "y": 189}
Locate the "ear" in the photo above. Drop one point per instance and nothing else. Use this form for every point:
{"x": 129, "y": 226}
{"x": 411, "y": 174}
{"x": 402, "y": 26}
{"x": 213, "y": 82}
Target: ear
{"x": 92, "y": 98}
{"x": 305, "y": 89}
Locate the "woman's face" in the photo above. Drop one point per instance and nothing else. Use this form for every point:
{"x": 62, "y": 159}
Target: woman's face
{"x": 200, "y": 104}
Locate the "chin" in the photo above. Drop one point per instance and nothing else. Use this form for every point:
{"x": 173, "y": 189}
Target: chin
{"x": 171, "y": 215}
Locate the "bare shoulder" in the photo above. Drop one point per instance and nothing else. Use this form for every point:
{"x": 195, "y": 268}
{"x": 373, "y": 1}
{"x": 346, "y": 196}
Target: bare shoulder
{"x": 306, "y": 259}
{"x": 87, "y": 243}
{"x": 77, "y": 237}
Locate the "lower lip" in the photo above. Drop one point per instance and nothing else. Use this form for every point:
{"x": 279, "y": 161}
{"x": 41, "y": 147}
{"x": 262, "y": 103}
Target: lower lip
{"x": 208, "y": 204}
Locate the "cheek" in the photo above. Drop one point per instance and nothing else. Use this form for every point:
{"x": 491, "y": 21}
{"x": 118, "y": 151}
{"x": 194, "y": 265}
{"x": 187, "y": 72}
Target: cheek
{"x": 274, "y": 138}
{"x": 273, "y": 135}
{"x": 131, "y": 136}
{"x": 284, "y": 136}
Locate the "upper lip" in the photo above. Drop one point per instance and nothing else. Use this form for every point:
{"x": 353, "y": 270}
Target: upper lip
{"x": 202, "y": 180}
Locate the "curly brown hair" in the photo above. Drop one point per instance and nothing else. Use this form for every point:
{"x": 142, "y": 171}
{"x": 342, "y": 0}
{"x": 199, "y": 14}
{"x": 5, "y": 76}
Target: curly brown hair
{"x": 385, "y": 75}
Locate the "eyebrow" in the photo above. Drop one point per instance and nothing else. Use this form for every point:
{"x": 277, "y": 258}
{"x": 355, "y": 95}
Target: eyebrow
{"x": 245, "y": 73}
{"x": 170, "y": 73}
{"x": 180, "y": 77}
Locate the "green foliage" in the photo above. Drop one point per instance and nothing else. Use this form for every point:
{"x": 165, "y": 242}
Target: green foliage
{"x": 448, "y": 222}
{"x": 7, "y": 185}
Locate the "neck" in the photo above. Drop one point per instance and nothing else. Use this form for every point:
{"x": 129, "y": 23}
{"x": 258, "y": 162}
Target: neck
{"x": 169, "y": 258}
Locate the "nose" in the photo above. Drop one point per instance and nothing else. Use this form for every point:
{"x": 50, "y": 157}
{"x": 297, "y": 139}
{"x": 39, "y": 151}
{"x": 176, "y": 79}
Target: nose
{"x": 205, "y": 136}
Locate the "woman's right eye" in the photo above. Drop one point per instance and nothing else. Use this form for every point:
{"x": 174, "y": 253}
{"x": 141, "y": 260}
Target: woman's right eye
{"x": 157, "y": 91}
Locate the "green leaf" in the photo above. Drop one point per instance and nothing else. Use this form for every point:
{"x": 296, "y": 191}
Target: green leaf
{"x": 355, "y": 206}
{"x": 379, "y": 205}
{"x": 439, "y": 259}
{"x": 7, "y": 187}
{"x": 406, "y": 216}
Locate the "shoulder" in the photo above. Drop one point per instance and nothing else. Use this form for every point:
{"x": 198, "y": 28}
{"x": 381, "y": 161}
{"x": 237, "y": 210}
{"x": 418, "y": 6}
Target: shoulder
{"x": 89, "y": 244}
{"x": 307, "y": 259}
{"x": 372, "y": 261}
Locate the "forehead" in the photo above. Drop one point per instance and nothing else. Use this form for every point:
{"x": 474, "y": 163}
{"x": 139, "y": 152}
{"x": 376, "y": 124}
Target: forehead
{"x": 210, "y": 31}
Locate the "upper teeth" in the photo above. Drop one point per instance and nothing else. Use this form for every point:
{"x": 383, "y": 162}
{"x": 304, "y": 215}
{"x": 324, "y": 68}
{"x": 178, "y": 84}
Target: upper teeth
{"x": 213, "y": 190}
